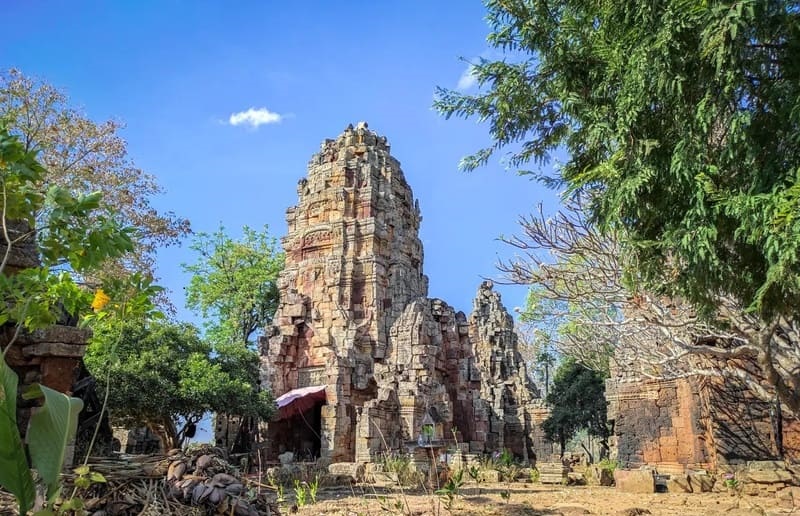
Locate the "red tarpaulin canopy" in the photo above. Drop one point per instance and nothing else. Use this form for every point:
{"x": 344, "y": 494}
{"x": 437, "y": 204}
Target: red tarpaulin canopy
{"x": 298, "y": 401}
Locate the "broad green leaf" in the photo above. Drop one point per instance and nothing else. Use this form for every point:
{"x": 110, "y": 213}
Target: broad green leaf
{"x": 51, "y": 429}
{"x": 8, "y": 394}
{"x": 14, "y": 473}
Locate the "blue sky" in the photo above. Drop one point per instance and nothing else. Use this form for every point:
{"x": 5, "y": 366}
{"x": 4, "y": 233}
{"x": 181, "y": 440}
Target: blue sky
{"x": 175, "y": 71}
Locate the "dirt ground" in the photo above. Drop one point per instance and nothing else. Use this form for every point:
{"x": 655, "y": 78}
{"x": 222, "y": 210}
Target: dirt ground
{"x": 535, "y": 500}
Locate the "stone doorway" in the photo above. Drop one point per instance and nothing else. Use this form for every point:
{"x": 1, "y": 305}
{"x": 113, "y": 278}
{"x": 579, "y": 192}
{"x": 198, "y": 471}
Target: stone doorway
{"x": 299, "y": 434}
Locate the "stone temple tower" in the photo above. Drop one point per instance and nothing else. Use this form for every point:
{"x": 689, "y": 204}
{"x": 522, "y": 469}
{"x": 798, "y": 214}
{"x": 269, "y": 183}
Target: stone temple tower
{"x": 354, "y": 260}
{"x": 359, "y": 356}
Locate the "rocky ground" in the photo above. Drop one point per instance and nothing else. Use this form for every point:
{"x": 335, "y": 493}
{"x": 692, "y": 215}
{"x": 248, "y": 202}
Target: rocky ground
{"x": 535, "y": 500}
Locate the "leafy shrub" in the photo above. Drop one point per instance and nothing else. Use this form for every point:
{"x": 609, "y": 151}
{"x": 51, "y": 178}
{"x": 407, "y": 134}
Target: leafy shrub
{"x": 608, "y": 465}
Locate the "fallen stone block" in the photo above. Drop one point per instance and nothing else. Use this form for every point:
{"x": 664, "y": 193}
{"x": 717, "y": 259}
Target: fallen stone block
{"x": 354, "y": 470}
{"x": 606, "y": 477}
{"x": 552, "y": 473}
{"x": 679, "y": 484}
{"x": 575, "y": 478}
{"x": 490, "y": 475}
{"x": 769, "y": 476}
{"x": 789, "y": 497}
{"x": 766, "y": 465}
{"x": 635, "y": 481}
{"x": 701, "y": 483}
{"x": 328, "y": 480}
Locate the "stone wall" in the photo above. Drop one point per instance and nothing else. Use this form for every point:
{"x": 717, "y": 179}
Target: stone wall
{"x": 354, "y": 316}
{"x": 657, "y": 422}
{"x": 137, "y": 441}
{"x": 50, "y": 357}
{"x": 691, "y": 423}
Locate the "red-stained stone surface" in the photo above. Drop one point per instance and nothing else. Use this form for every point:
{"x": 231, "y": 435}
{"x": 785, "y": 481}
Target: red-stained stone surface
{"x": 685, "y": 424}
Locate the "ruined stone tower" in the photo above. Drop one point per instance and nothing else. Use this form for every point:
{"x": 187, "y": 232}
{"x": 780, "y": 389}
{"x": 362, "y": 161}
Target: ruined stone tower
{"x": 354, "y": 321}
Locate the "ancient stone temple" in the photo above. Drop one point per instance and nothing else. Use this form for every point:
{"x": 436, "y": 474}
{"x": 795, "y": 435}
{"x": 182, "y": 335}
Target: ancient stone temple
{"x": 360, "y": 358}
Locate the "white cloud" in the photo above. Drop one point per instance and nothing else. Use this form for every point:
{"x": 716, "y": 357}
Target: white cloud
{"x": 468, "y": 79}
{"x": 255, "y": 117}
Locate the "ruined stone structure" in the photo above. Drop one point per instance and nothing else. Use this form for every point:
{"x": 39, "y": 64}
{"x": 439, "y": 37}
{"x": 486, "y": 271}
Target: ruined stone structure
{"x": 691, "y": 424}
{"x": 354, "y": 317}
{"x": 50, "y": 356}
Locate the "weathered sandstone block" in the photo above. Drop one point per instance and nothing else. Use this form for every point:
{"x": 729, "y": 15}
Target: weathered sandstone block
{"x": 635, "y": 481}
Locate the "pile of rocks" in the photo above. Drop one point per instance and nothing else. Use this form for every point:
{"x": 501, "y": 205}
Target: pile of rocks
{"x": 765, "y": 477}
{"x": 753, "y": 478}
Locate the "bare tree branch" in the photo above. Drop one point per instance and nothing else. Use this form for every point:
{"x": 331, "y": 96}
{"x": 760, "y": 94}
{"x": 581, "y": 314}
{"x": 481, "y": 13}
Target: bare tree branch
{"x": 583, "y": 285}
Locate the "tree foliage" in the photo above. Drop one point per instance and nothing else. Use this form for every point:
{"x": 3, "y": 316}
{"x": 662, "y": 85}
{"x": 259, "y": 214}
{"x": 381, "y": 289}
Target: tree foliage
{"x": 577, "y": 402}
{"x": 682, "y": 114}
{"x": 680, "y": 119}
{"x": 234, "y": 283}
{"x": 234, "y": 288}
{"x": 183, "y": 379}
{"x": 83, "y": 156}
{"x": 73, "y": 234}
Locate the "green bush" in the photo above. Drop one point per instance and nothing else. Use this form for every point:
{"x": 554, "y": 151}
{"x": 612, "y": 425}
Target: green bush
{"x": 609, "y": 465}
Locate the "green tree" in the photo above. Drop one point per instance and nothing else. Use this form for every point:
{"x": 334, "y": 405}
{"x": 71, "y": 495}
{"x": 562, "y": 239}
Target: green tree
{"x": 234, "y": 284}
{"x": 234, "y": 288}
{"x": 577, "y": 402}
{"x": 680, "y": 119}
{"x": 177, "y": 370}
{"x": 84, "y": 156}
{"x": 72, "y": 234}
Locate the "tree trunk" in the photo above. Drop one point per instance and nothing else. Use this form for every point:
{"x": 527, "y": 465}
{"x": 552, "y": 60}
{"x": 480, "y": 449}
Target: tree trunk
{"x": 777, "y": 427}
{"x": 605, "y": 450}
{"x": 589, "y": 453}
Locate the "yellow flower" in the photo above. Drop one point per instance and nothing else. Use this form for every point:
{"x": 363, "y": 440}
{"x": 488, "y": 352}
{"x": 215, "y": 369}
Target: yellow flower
{"x": 101, "y": 299}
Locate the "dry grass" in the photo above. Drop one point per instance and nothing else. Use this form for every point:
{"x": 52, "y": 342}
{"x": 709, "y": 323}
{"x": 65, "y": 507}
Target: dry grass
{"x": 536, "y": 500}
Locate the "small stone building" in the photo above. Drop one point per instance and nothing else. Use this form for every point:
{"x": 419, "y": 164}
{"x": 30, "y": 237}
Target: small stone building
{"x": 694, "y": 423}
{"x": 360, "y": 357}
